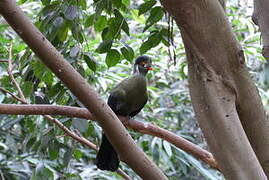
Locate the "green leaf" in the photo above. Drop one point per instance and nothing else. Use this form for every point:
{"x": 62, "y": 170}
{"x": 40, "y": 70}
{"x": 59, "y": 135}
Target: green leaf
{"x": 143, "y": 8}
{"x": 127, "y": 52}
{"x": 112, "y": 57}
{"x": 165, "y": 36}
{"x": 117, "y": 3}
{"x": 83, "y": 4}
{"x": 80, "y": 124}
{"x": 77, "y": 33}
{"x": 100, "y": 23}
{"x": 126, "y": 2}
{"x": 136, "y": 17}
{"x": 58, "y": 22}
{"x": 63, "y": 32}
{"x": 74, "y": 51}
{"x": 48, "y": 78}
{"x": 53, "y": 150}
{"x": 77, "y": 154}
{"x": 89, "y": 21}
{"x": 104, "y": 46}
{"x": 151, "y": 42}
{"x": 71, "y": 12}
{"x": 167, "y": 148}
{"x": 67, "y": 157}
{"x": 115, "y": 25}
{"x": 90, "y": 62}
{"x": 27, "y": 88}
{"x": 39, "y": 168}
{"x": 106, "y": 35}
{"x": 156, "y": 15}
{"x": 2, "y": 97}
{"x": 44, "y": 2}
{"x": 124, "y": 25}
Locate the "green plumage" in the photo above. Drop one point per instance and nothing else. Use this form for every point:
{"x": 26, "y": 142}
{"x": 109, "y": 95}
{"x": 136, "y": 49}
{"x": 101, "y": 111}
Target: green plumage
{"x": 130, "y": 96}
{"x": 126, "y": 99}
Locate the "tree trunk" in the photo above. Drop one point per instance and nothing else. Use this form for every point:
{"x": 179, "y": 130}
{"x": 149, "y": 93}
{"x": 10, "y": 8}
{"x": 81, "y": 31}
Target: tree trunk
{"x": 225, "y": 99}
{"x": 261, "y": 18}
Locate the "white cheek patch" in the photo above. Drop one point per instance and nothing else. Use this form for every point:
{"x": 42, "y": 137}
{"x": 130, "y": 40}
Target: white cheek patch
{"x": 137, "y": 68}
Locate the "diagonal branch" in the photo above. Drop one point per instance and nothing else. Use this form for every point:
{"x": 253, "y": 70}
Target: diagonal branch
{"x": 145, "y": 128}
{"x": 70, "y": 133}
{"x": 118, "y": 136}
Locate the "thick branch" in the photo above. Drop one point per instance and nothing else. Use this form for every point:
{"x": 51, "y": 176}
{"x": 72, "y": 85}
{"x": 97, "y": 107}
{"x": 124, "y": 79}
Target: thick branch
{"x": 219, "y": 86}
{"x": 261, "y": 18}
{"x": 145, "y": 128}
{"x": 117, "y": 135}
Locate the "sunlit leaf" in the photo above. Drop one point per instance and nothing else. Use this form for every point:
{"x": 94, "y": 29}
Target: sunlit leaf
{"x": 71, "y": 12}
{"x": 100, "y": 23}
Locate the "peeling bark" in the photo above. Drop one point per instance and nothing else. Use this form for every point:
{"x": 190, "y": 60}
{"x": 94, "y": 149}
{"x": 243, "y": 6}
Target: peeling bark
{"x": 222, "y": 93}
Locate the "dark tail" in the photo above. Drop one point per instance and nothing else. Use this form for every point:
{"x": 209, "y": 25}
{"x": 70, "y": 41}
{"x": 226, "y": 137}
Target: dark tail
{"x": 107, "y": 158}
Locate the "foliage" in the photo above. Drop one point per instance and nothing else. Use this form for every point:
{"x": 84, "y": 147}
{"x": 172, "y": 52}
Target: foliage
{"x": 101, "y": 39}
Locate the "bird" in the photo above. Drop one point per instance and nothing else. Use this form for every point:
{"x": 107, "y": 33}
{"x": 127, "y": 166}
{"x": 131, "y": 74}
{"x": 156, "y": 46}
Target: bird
{"x": 126, "y": 99}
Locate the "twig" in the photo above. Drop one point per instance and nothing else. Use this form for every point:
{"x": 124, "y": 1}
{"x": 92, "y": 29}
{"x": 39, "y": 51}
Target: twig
{"x": 3, "y": 60}
{"x": 9, "y": 71}
{"x": 22, "y": 99}
{"x": 2, "y": 175}
{"x": 68, "y": 132}
{"x": 13, "y": 95}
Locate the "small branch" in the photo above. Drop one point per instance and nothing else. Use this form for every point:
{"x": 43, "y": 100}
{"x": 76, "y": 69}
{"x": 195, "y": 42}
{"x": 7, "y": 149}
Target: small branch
{"x": 145, "y": 128}
{"x": 13, "y": 95}
{"x": 3, "y": 61}
{"x": 68, "y": 132}
{"x": 48, "y": 54}
{"x": 2, "y": 175}
{"x": 9, "y": 71}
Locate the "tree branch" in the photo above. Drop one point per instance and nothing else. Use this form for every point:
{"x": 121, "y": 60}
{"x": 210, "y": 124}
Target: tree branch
{"x": 261, "y": 18}
{"x": 12, "y": 95}
{"x": 73, "y": 135}
{"x": 68, "y": 132}
{"x": 117, "y": 135}
{"x": 222, "y": 92}
{"x": 9, "y": 71}
{"x": 145, "y": 128}
{"x": 3, "y": 61}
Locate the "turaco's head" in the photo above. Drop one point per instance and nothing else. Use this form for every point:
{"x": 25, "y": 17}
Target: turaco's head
{"x": 142, "y": 65}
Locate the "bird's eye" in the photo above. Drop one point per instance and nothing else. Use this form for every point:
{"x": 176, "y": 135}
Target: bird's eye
{"x": 143, "y": 64}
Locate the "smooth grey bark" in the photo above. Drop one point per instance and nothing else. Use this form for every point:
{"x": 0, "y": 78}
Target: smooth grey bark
{"x": 222, "y": 93}
{"x": 261, "y": 18}
{"x": 118, "y": 136}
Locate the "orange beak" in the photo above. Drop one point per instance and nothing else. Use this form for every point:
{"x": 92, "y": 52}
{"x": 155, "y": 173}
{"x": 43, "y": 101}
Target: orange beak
{"x": 149, "y": 68}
